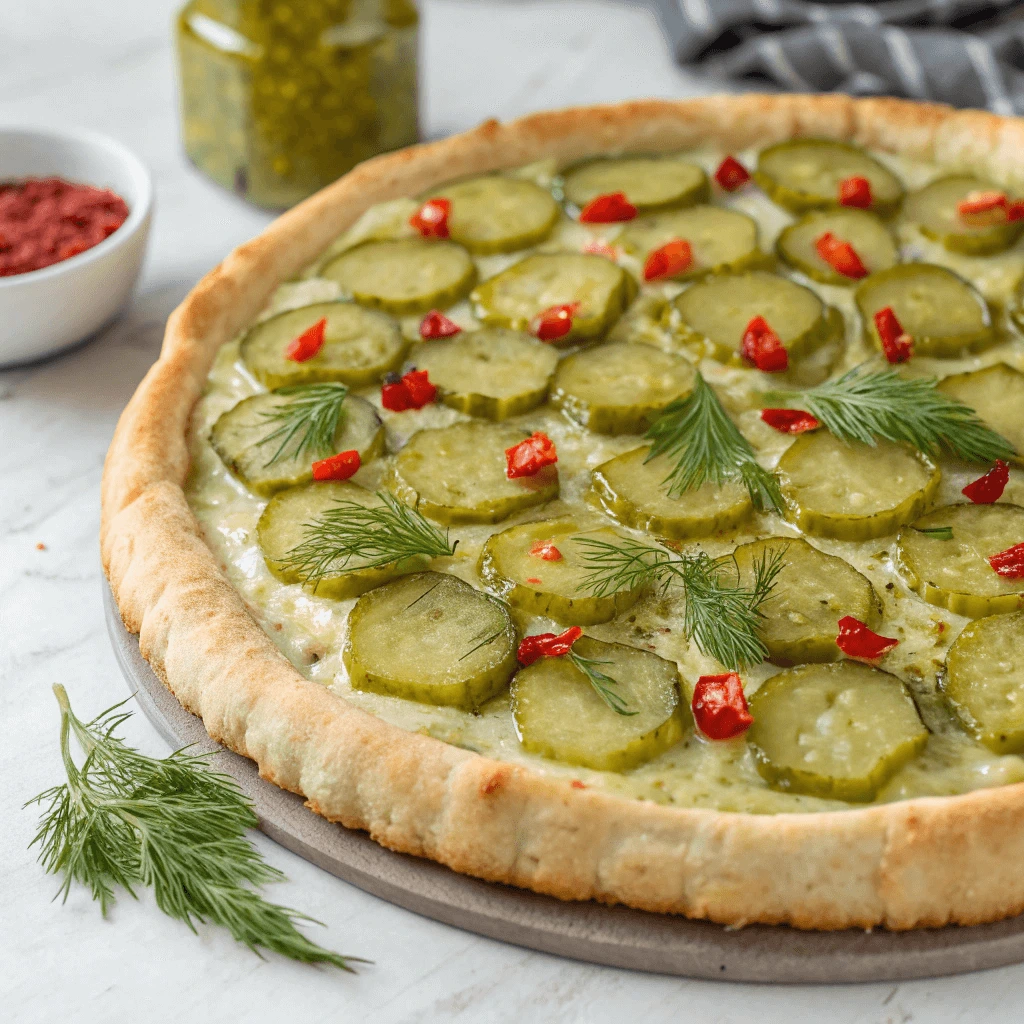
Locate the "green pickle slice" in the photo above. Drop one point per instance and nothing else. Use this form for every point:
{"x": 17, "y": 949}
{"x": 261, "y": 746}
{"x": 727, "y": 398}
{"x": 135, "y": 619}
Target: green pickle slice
{"x": 457, "y": 474}
{"x": 871, "y": 239}
{"x": 849, "y": 490}
{"x": 649, "y": 183}
{"x": 360, "y": 346}
{"x": 515, "y": 296}
{"x": 559, "y": 715}
{"x": 944, "y": 314}
{"x": 633, "y": 491}
{"x": 497, "y": 214}
{"x": 431, "y": 638}
{"x": 934, "y": 210}
{"x": 404, "y": 275}
{"x": 996, "y": 394}
{"x": 619, "y": 388}
{"x": 812, "y": 592}
{"x": 804, "y": 174}
{"x": 552, "y": 587}
{"x": 955, "y": 574}
{"x": 984, "y": 681}
{"x": 237, "y": 434}
{"x": 494, "y": 372}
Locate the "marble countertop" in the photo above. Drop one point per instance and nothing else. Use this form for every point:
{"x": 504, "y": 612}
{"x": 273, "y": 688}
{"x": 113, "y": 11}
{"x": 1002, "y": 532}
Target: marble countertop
{"x": 108, "y": 66}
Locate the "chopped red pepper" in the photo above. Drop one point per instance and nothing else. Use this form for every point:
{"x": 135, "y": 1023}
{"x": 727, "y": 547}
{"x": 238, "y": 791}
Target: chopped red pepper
{"x": 731, "y": 174}
{"x": 337, "y": 467}
{"x": 1009, "y": 563}
{"x": 790, "y": 421}
{"x": 411, "y": 391}
{"x": 983, "y": 208}
{"x": 599, "y": 247}
{"x": 547, "y": 645}
{"x": 308, "y": 343}
{"x": 670, "y": 259}
{"x": 855, "y": 191}
{"x": 989, "y": 488}
{"x": 762, "y": 347}
{"x": 529, "y": 457}
{"x": 897, "y": 345}
{"x": 840, "y": 256}
{"x": 555, "y": 321}
{"x": 608, "y": 209}
{"x": 546, "y": 549}
{"x": 436, "y": 325}
{"x": 535, "y": 580}
{"x": 1015, "y": 211}
{"x": 577, "y": 784}
{"x": 720, "y": 707}
{"x": 431, "y": 219}
{"x": 857, "y": 641}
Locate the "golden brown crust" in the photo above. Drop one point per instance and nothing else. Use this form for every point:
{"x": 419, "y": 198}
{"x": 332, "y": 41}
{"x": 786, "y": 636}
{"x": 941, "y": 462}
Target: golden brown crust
{"x": 922, "y": 862}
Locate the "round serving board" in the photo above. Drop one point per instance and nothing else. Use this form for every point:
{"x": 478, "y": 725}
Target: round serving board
{"x": 616, "y": 936}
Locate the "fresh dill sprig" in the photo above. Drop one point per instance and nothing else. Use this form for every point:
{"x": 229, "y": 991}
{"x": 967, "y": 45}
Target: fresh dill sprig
{"x": 602, "y": 683}
{"x": 351, "y": 536}
{"x": 306, "y": 423}
{"x": 863, "y": 405}
{"x": 721, "y": 616}
{"x": 124, "y": 819}
{"x": 705, "y": 445}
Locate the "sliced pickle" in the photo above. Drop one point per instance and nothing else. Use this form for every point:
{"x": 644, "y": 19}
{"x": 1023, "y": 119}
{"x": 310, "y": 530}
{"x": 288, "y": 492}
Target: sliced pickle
{"x": 404, "y": 275}
{"x": 811, "y": 594}
{"x": 551, "y": 587}
{"x": 804, "y": 174}
{"x": 237, "y": 434}
{"x": 360, "y": 346}
{"x": 835, "y": 731}
{"x": 650, "y": 183}
{"x": 870, "y": 238}
{"x": 719, "y": 239}
{"x": 494, "y": 372}
{"x": 516, "y": 295}
{"x": 944, "y": 314}
{"x": 996, "y": 394}
{"x": 498, "y": 214}
{"x": 431, "y": 638}
{"x": 854, "y": 491}
{"x": 934, "y": 210}
{"x": 984, "y": 681}
{"x": 633, "y": 491}
{"x": 955, "y": 574}
{"x": 456, "y": 475}
{"x": 559, "y": 715}
{"x": 619, "y": 388}
{"x": 283, "y": 526}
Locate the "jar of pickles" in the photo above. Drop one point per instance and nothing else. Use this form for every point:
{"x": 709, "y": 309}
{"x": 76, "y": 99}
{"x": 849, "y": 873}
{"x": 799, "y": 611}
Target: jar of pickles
{"x": 280, "y": 97}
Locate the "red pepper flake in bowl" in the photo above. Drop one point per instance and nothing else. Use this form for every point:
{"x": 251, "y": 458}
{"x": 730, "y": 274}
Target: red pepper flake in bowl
{"x": 762, "y": 347}
{"x": 608, "y": 209}
{"x": 731, "y": 174}
{"x": 44, "y": 221}
{"x": 989, "y": 488}
{"x": 840, "y": 256}
{"x": 554, "y": 322}
{"x": 720, "y": 707}
{"x": 337, "y": 467}
{"x": 413, "y": 390}
{"x": 529, "y": 457}
{"x": 856, "y": 640}
{"x": 856, "y": 192}
{"x": 436, "y": 325}
{"x": 670, "y": 259}
{"x": 431, "y": 219}
{"x": 308, "y": 343}
{"x": 897, "y": 345}
{"x": 1009, "y": 563}
{"x": 790, "y": 421}
{"x": 547, "y": 645}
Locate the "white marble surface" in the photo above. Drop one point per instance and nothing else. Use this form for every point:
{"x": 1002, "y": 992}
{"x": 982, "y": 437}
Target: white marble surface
{"x": 107, "y": 65}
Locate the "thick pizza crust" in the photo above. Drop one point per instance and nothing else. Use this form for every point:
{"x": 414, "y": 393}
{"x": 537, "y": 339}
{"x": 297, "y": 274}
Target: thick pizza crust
{"x": 915, "y": 863}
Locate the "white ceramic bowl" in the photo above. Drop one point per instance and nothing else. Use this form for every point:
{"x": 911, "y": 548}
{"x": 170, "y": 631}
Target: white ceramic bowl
{"x": 47, "y": 310}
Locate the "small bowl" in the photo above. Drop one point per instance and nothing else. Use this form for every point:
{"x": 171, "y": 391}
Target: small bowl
{"x": 47, "y": 310}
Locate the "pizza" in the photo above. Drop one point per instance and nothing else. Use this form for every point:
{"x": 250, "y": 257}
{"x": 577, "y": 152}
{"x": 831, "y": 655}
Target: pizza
{"x": 622, "y": 503}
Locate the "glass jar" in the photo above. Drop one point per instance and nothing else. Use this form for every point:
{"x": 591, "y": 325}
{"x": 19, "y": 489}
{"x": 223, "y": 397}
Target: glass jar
{"x": 280, "y": 97}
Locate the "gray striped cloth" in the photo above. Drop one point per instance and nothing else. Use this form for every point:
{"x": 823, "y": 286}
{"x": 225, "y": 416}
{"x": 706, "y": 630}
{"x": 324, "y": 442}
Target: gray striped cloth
{"x": 969, "y": 53}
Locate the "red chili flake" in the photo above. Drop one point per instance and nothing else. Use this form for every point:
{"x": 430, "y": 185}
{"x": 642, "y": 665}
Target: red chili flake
{"x": 608, "y": 209}
{"x": 762, "y": 347}
{"x": 431, "y": 219}
{"x": 308, "y": 343}
{"x": 337, "y": 467}
{"x": 1015, "y": 211}
{"x": 855, "y": 191}
{"x": 535, "y": 580}
{"x": 40, "y": 546}
{"x": 554, "y": 322}
{"x": 546, "y": 549}
{"x": 897, "y": 345}
{"x": 720, "y": 707}
{"x": 790, "y": 421}
{"x": 840, "y": 256}
{"x": 857, "y": 641}
{"x": 529, "y": 457}
{"x": 983, "y": 208}
{"x": 576, "y": 784}
{"x": 599, "y": 247}
{"x": 731, "y": 174}
{"x": 411, "y": 391}
{"x": 989, "y": 488}
{"x": 436, "y": 325}
{"x": 670, "y": 259}
{"x": 1009, "y": 563}
{"x": 547, "y": 645}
